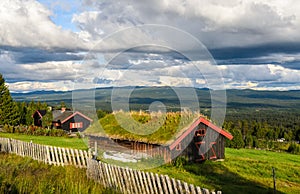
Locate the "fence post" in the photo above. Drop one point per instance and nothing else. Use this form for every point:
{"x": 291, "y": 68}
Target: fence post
{"x": 96, "y": 151}
{"x": 274, "y": 179}
{"x": 9, "y": 146}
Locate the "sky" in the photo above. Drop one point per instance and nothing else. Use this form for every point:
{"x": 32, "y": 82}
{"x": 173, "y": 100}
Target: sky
{"x": 74, "y": 44}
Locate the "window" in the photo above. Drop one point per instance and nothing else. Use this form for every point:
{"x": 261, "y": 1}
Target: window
{"x": 178, "y": 146}
{"x": 200, "y": 132}
{"x": 76, "y": 125}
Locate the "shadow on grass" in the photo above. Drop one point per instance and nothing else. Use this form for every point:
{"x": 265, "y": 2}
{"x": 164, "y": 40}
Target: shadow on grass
{"x": 226, "y": 181}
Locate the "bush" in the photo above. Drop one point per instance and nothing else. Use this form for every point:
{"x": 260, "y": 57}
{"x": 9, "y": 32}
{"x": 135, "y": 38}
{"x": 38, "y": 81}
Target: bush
{"x": 57, "y": 133}
{"x": 8, "y": 128}
{"x": 34, "y": 130}
{"x": 248, "y": 141}
{"x": 78, "y": 135}
{"x": 179, "y": 162}
{"x": 294, "y": 148}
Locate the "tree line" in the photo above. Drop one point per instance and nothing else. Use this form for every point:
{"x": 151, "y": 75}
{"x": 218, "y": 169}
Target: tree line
{"x": 19, "y": 113}
{"x": 251, "y": 128}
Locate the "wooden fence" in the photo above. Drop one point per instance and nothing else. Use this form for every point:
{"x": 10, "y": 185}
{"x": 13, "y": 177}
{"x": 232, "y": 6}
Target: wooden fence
{"x": 47, "y": 154}
{"x": 128, "y": 180}
{"x": 121, "y": 179}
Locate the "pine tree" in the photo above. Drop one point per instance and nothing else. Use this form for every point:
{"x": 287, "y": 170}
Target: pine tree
{"x": 8, "y": 108}
{"x": 47, "y": 118}
{"x": 237, "y": 141}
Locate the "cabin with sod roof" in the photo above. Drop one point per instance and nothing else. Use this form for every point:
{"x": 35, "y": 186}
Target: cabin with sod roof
{"x": 70, "y": 120}
{"x": 185, "y": 134}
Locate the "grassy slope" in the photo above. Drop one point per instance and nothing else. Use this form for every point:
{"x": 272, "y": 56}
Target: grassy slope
{"x": 243, "y": 171}
{"x": 68, "y": 142}
{"x": 24, "y": 175}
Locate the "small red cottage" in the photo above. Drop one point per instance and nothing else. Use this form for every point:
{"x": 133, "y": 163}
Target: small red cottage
{"x": 199, "y": 141}
{"x": 70, "y": 120}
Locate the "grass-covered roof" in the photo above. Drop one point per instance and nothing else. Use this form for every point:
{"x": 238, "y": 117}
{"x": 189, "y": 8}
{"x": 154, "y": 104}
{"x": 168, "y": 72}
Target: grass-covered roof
{"x": 158, "y": 128}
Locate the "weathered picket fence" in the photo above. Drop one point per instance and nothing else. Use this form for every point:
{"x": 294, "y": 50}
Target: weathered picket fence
{"x": 47, "y": 154}
{"x": 135, "y": 181}
{"x": 121, "y": 179}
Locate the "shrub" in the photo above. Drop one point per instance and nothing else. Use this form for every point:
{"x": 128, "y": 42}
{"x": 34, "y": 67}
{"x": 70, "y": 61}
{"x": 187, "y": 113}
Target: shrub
{"x": 34, "y": 130}
{"x": 294, "y": 148}
{"x": 8, "y": 128}
{"x": 179, "y": 162}
{"x": 58, "y": 132}
{"x": 248, "y": 141}
{"x": 47, "y": 132}
{"x": 78, "y": 135}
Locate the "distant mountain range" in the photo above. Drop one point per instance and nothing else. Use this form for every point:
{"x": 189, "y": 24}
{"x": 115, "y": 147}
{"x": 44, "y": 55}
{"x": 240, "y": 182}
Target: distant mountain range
{"x": 142, "y": 97}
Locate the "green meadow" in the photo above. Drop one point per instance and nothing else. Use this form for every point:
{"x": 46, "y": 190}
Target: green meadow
{"x": 67, "y": 142}
{"x": 242, "y": 171}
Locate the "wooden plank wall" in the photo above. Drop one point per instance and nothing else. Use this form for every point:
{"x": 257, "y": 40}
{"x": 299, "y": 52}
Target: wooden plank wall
{"x": 124, "y": 180}
{"x": 149, "y": 149}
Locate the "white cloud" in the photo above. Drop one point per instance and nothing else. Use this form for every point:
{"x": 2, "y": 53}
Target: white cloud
{"x": 32, "y": 86}
{"x": 269, "y": 77}
{"x": 216, "y": 23}
{"x": 27, "y": 23}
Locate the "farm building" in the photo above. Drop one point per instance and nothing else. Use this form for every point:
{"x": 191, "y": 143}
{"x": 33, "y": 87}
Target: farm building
{"x": 196, "y": 138}
{"x": 37, "y": 117}
{"x": 70, "y": 120}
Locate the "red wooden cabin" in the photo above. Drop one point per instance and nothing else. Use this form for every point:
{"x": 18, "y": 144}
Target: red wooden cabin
{"x": 201, "y": 141}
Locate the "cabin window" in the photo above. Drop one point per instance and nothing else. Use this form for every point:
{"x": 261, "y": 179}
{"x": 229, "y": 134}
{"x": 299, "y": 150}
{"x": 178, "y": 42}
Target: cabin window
{"x": 76, "y": 125}
{"x": 178, "y": 146}
{"x": 200, "y": 132}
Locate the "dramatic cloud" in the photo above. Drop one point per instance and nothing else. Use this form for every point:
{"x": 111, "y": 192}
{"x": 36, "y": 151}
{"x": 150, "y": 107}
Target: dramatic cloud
{"x": 217, "y": 24}
{"x": 27, "y": 24}
{"x": 44, "y": 44}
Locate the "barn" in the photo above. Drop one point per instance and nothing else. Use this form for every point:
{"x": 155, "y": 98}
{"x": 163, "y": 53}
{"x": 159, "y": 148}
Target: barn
{"x": 68, "y": 120}
{"x": 37, "y": 117}
{"x": 200, "y": 140}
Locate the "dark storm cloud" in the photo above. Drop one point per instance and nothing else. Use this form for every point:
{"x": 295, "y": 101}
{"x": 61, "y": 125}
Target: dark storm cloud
{"x": 259, "y": 54}
{"x": 27, "y": 55}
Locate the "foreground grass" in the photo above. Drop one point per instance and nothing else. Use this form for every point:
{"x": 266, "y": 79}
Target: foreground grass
{"x": 24, "y": 175}
{"x": 67, "y": 142}
{"x": 243, "y": 171}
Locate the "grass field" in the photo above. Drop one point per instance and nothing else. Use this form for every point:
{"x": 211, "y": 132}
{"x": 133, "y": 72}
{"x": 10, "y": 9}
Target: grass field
{"x": 243, "y": 171}
{"x": 24, "y": 175}
{"x": 67, "y": 142}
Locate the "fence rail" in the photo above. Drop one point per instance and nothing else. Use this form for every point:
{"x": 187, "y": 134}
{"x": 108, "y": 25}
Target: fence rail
{"x": 122, "y": 179}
